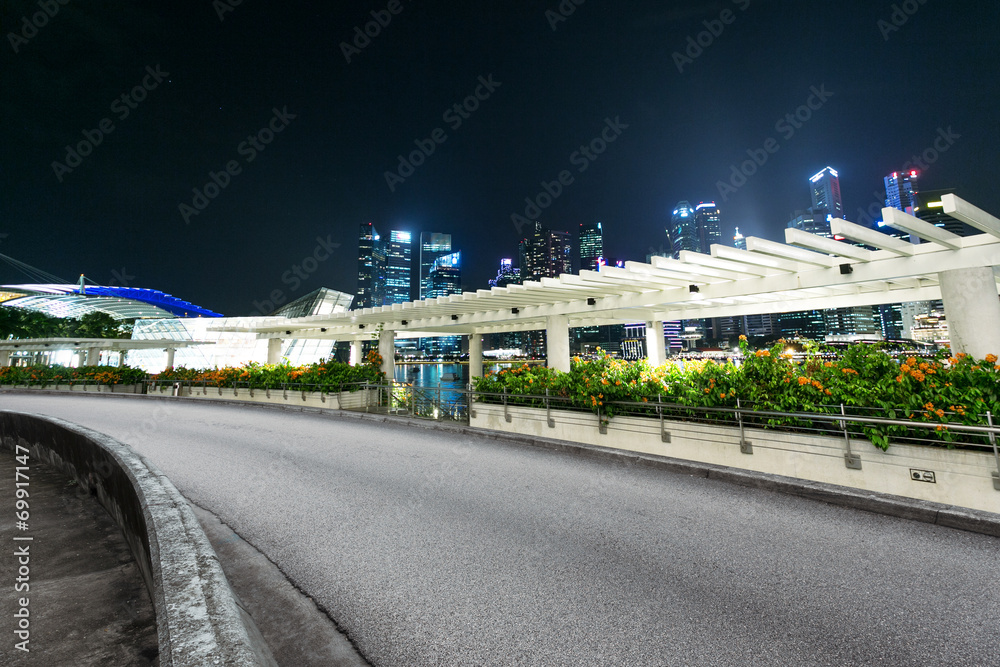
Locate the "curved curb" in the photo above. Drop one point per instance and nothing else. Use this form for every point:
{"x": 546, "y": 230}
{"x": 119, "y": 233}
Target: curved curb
{"x": 199, "y": 619}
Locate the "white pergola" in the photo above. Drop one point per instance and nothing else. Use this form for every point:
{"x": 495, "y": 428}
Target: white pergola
{"x": 805, "y": 272}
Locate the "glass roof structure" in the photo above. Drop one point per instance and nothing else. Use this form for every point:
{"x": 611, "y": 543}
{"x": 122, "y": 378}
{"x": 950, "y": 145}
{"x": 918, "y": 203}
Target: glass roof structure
{"x": 121, "y": 303}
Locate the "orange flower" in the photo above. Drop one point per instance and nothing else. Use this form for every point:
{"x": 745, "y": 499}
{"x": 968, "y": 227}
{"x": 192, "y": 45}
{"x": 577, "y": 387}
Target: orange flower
{"x": 828, "y": 364}
{"x": 803, "y": 380}
{"x": 743, "y": 337}
{"x": 991, "y": 358}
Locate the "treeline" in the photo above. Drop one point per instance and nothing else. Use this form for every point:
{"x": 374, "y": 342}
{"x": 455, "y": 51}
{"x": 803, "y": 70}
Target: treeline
{"x": 20, "y": 323}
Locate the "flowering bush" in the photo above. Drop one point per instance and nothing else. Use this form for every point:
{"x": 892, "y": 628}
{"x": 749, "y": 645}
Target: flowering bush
{"x": 865, "y": 379}
{"x": 46, "y": 375}
{"x": 326, "y": 375}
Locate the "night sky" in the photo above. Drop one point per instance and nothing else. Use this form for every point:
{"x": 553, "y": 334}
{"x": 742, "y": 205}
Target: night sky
{"x": 554, "y": 84}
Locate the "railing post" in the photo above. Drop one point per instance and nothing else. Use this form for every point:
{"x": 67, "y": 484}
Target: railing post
{"x": 664, "y": 434}
{"x": 996, "y": 455}
{"x": 438, "y": 408}
{"x": 746, "y": 447}
{"x": 851, "y": 460}
{"x": 506, "y": 413}
{"x": 548, "y": 411}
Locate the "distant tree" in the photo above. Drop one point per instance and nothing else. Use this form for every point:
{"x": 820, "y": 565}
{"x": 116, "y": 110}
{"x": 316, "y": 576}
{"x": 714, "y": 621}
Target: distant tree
{"x": 98, "y": 325}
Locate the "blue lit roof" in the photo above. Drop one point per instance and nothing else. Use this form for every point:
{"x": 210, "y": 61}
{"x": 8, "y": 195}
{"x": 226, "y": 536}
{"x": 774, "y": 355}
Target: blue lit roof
{"x": 120, "y": 302}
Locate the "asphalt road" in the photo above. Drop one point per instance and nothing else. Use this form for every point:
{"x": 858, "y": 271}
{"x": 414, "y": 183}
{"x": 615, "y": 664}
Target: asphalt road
{"x": 436, "y": 549}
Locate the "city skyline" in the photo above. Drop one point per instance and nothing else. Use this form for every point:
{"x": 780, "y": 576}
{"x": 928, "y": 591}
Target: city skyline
{"x": 219, "y": 154}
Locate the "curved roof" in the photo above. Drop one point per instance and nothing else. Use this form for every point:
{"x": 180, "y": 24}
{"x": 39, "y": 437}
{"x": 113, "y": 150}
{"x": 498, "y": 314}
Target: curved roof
{"x": 121, "y": 303}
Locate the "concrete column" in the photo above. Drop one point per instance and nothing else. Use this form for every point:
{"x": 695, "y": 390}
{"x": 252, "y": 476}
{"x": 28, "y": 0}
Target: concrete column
{"x": 656, "y": 349}
{"x": 387, "y": 348}
{"x": 81, "y": 358}
{"x": 93, "y": 357}
{"x": 475, "y": 355}
{"x": 274, "y": 350}
{"x": 357, "y": 352}
{"x": 4, "y": 358}
{"x": 121, "y": 358}
{"x": 973, "y": 310}
{"x": 170, "y": 356}
{"x": 557, "y": 342}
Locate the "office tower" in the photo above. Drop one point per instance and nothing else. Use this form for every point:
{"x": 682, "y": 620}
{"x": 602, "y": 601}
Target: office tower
{"x": 739, "y": 241}
{"x": 398, "y": 267}
{"x": 545, "y": 254}
{"x": 708, "y": 224}
{"x": 930, "y": 209}
{"x": 371, "y": 268}
{"x": 683, "y": 231}
{"x": 825, "y": 189}
{"x": 507, "y": 275}
{"x": 444, "y": 279}
{"x": 591, "y": 240}
{"x": 813, "y": 223}
{"x": 806, "y": 324}
{"x": 432, "y": 246}
{"x": 901, "y": 190}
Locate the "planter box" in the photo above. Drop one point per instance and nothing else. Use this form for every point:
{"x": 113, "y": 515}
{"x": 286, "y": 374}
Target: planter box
{"x": 961, "y": 478}
{"x": 335, "y": 401}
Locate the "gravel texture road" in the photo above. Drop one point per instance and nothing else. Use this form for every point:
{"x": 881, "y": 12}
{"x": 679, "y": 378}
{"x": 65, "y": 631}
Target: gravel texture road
{"x": 433, "y": 548}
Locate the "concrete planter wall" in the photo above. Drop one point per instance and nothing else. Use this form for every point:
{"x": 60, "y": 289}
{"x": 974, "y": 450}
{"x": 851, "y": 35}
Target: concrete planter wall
{"x": 198, "y": 618}
{"x": 961, "y": 478}
{"x": 314, "y": 399}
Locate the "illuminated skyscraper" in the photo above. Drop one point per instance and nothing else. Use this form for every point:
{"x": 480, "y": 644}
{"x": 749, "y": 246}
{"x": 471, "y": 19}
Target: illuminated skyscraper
{"x": 901, "y": 190}
{"x": 398, "y": 260}
{"x": 444, "y": 279}
{"x": 507, "y": 275}
{"x": 683, "y": 230}
{"x": 739, "y": 241}
{"x": 708, "y": 223}
{"x": 371, "y": 268}
{"x": 432, "y": 246}
{"x": 591, "y": 245}
{"x": 825, "y": 189}
{"x": 545, "y": 254}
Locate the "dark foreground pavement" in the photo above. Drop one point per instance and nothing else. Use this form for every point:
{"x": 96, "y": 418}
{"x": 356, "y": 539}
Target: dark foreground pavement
{"x": 435, "y": 548}
{"x": 87, "y": 603}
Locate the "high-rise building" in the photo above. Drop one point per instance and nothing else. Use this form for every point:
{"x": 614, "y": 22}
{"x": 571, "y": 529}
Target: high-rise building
{"x": 398, "y": 267}
{"x": 683, "y": 231}
{"x": 813, "y": 223}
{"x": 708, "y": 223}
{"x": 901, "y": 190}
{"x": 507, "y": 275}
{"x": 432, "y": 246}
{"x": 739, "y": 241}
{"x": 825, "y": 190}
{"x": 444, "y": 279}
{"x": 371, "y": 268}
{"x": 545, "y": 254}
{"x": 929, "y": 208}
{"x": 591, "y": 239}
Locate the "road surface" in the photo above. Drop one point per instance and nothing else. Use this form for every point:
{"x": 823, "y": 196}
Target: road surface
{"x": 432, "y": 548}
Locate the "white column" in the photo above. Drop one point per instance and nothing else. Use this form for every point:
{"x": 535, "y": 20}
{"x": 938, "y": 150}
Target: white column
{"x": 93, "y": 357}
{"x": 357, "y": 350}
{"x": 973, "y": 310}
{"x": 387, "y": 348}
{"x": 121, "y": 357}
{"x": 475, "y": 355}
{"x": 170, "y": 356}
{"x": 656, "y": 349}
{"x": 274, "y": 350}
{"x": 81, "y": 358}
{"x": 4, "y": 358}
{"x": 557, "y": 342}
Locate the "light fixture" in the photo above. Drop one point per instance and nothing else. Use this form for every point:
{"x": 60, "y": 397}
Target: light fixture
{"x": 846, "y": 269}
{"x": 361, "y": 326}
{"x": 514, "y": 311}
{"x": 405, "y": 322}
{"x": 591, "y": 301}
{"x": 693, "y": 289}
{"x": 454, "y": 317}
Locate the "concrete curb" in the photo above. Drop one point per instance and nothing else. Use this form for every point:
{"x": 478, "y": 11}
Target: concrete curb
{"x": 949, "y": 516}
{"x": 199, "y": 619}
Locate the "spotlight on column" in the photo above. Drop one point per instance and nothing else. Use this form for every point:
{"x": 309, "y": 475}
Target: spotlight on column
{"x": 361, "y": 326}
{"x": 693, "y": 289}
{"x": 288, "y": 333}
{"x": 454, "y": 317}
{"x": 591, "y": 301}
{"x": 846, "y": 269}
{"x": 322, "y": 330}
{"x": 514, "y": 311}
{"x": 405, "y": 322}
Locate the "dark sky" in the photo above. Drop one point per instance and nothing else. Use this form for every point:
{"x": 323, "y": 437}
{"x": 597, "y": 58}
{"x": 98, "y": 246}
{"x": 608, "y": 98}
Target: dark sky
{"x": 116, "y": 218}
